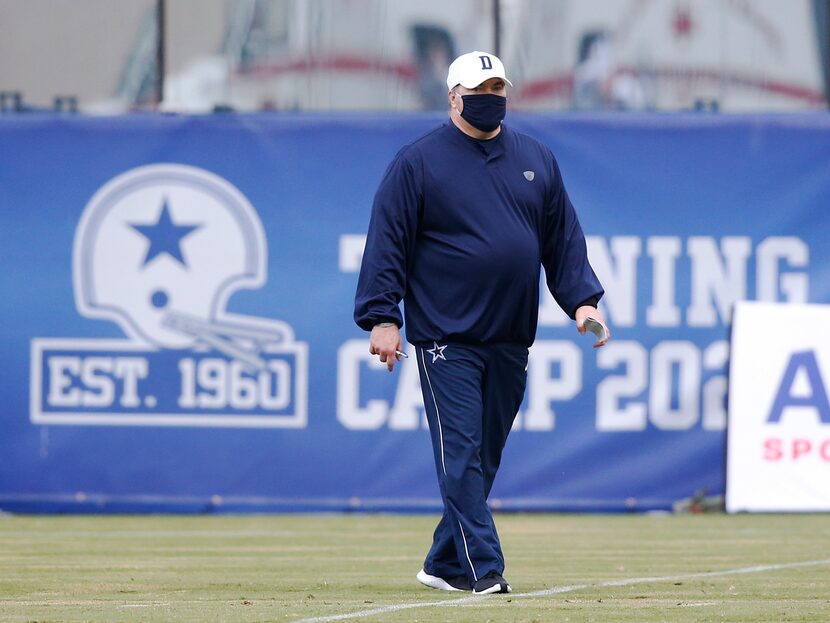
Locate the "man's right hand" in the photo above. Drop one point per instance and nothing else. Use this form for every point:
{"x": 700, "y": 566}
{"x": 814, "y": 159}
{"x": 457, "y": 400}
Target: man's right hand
{"x": 385, "y": 341}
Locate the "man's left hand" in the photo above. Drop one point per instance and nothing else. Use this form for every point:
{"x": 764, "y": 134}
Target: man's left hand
{"x": 584, "y": 312}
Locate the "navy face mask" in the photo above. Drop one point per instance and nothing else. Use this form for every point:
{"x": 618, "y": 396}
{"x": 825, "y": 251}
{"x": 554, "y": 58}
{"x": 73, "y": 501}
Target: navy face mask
{"x": 484, "y": 112}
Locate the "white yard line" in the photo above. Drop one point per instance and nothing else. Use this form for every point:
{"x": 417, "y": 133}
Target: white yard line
{"x": 481, "y": 600}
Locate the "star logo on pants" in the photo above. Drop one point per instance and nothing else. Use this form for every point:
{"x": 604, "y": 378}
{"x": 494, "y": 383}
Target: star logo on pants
{"x": 437, "y": 352}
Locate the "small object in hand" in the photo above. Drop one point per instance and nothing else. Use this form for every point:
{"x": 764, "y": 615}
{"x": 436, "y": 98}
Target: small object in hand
{"x": 597, "y": 328}
{"x": 400, "y": 353}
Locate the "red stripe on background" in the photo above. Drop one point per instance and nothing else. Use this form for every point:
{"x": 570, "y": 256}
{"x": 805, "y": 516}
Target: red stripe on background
{"x": 562, "y": 85}
{"x": 335, "y": 63}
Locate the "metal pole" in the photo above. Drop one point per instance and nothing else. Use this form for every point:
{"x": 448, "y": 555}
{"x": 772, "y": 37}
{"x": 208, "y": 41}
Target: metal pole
{"x": 821, "y": 13}
{"x": 827, "y": 51}
{"x": 497, "y": 27}
{"x": 160, "y": 51}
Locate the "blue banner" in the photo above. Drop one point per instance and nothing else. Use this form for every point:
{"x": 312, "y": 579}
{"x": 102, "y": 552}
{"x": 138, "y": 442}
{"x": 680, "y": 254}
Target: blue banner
{"x": 177, "y": 302}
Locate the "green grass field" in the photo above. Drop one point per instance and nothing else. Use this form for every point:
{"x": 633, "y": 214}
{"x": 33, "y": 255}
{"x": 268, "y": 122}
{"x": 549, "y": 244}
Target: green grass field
{"x": 600, "y": 568}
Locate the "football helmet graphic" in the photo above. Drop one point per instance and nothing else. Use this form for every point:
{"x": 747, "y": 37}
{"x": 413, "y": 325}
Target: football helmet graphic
{"x": 160, "y": 249}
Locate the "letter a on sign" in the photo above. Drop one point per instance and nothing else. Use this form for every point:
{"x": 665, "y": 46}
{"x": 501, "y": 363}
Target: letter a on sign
{"x": 817, "y": 397}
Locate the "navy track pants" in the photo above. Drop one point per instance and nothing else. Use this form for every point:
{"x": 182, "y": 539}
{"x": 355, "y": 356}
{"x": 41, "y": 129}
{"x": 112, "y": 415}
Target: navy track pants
{"x": 471, "y": 396}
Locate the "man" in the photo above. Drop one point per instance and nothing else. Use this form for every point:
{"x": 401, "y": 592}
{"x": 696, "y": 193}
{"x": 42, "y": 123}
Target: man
{"x": 462, "y": 221}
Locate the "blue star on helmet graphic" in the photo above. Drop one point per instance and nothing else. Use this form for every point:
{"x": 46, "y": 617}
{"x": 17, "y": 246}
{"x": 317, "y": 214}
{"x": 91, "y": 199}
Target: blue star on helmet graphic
{"x": 164, "y": 236}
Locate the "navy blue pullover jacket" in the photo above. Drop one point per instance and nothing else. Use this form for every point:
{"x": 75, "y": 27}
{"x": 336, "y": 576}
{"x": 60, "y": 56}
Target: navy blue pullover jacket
{"x": 459, "y": 230}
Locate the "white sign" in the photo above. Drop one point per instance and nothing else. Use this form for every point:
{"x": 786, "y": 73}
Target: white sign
{"x": 778, "y": 448}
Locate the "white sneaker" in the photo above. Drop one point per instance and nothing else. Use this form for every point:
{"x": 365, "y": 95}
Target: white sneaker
{"x": 460, "y": 583}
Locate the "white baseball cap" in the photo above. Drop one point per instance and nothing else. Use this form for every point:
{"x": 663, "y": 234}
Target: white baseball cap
{"x": 471, "y": 69}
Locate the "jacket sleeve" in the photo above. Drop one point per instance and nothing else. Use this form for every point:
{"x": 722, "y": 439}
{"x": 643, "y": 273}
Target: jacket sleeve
{"x": 568, "y": 273}
{"x": 389, "y": 243}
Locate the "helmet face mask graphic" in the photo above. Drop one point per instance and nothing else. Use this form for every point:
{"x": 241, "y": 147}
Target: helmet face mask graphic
{"x": 163, "y": 242}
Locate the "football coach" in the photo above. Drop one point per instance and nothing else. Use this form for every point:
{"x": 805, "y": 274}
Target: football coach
{"x": 462, "y": 222}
